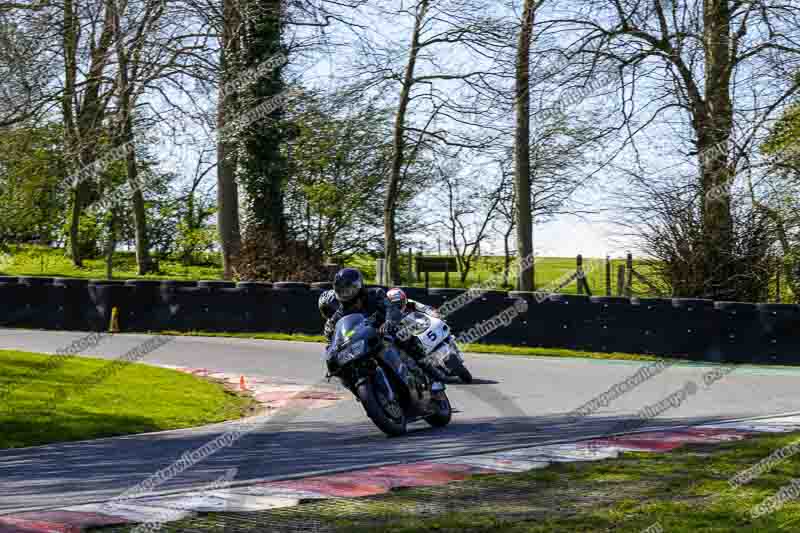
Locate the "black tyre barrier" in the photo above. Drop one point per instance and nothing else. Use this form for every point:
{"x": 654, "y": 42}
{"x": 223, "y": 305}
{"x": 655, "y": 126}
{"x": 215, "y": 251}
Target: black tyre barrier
{"x": 188, "y": 307}
{"x": 780, "y": 330}
{"x": 487, "y": 295}
{"x": 615, "y": 327}
{"x": 523, "y": 330}
{"x": 260, "y": 312}
{"x": 76, "y": 305}
{"x": 514, "y": 309}
{"x": 701, "y": 329}
{"x": 652, "y": 303}
{"x": 690, "y": 304}
{"x": 570, "y": 299}
{"x": 692, "y": 324}
{"x": 296, "y": 311}
{"x": 291, "y": 285}
{"x": 458, "y": 316}
{"x": 178, "y": 283}
{"x": 233, "y": 310}
{"x": 217, "y": 284}
{"x": 33, "y": 281}
{"x": 105, "y": 296}
{"x": 479, "y": 310}
{"x": 561, "y": 321}
{"x": 446, "y": 293}
{"x": 422, "y": 295}
{"x": 528, "y": 296}
{"x": 255, "y": 285}
{"x": 14, "y": 309}
{"x": 739, "y": 335}
{"x": 610, "y": 300}
{"x": 43, "y": 302}
{"x": 656, "y": 330}
{"x": 146, "y": 310}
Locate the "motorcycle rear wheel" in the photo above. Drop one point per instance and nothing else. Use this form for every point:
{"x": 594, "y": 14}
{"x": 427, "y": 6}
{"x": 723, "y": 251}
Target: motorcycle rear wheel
{"x": 393, "y": 426}
{"x": 457, "y": 368}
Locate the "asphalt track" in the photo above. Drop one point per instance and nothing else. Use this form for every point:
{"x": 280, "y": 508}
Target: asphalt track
{"x": 515, "y": 402}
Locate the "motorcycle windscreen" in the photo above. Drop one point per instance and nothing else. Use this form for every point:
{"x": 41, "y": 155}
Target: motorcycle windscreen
{"x": 348, "y": 328}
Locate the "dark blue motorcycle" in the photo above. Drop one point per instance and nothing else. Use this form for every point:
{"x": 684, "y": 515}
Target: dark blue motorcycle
{"x": 390, "y": 385}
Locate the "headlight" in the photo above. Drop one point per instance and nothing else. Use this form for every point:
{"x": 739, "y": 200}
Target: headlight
{"x": 352, "y": 351}
{"x": 358, "y": 347}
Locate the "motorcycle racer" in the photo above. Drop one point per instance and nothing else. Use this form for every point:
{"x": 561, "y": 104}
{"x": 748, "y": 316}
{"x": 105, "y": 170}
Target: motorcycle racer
{"x": 398, "y": 297}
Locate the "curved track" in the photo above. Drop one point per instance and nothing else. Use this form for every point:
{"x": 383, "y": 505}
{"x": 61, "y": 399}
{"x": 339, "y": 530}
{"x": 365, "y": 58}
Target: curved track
{"x": 515, "y": 402}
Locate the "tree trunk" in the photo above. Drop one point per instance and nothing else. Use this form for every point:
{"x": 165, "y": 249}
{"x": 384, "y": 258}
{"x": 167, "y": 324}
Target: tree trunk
{"x": 74, "y": 220}
{"x": 67, "y": 102}
{"x": 522, "y": 162}
{"x": 713, "y": 122}
{"x": 392, "y": 267}
{"x": 82, "y": 128}
{"x": 111, "y": 245}
{"x": 465, "y": 268}
{"x": 142, "y": 242}
{"x": 507, "y": 256}
{"x": 227, "y": 191}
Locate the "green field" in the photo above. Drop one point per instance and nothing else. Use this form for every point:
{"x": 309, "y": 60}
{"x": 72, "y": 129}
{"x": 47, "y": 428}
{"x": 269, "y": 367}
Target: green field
{"x": 43, "y": 402}
{"x": 42, "y": 261}
{"x": 54, "y": 262}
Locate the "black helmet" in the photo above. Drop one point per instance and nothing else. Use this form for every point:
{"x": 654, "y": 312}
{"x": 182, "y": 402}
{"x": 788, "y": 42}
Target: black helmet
{"x": 348, "y": 284}
{"x": 328, "y": 305}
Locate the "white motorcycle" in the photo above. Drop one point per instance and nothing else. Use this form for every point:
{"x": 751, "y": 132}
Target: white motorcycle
{"x": 438, "y": 344}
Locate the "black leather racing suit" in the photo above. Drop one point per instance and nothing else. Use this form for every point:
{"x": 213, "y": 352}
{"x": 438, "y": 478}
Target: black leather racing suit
{"x": 372, "y": 303}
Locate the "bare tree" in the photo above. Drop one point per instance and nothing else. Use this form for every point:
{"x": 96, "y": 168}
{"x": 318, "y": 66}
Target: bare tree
{"x": 472, "y": 203}
{"x": 442, "y": 97}
{"x": 726, "y": 66}
{"x": 28, "y": 70}
{"x": 507, "y": 214}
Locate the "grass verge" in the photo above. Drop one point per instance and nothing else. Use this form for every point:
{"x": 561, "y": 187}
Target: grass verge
{"x": 497, "y": 349}
{"x": 681, "y": 492}
{"x": 42, "y": 403}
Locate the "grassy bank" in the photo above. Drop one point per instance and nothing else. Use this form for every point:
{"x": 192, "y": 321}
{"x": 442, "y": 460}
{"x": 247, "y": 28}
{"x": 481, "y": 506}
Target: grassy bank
{"x": 684, "y": 491}
{"x": 42, "y": 402}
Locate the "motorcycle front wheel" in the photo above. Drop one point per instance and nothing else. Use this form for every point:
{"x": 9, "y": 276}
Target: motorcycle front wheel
{"x": 388, "y": 416}
{"x": 444, "y": 411}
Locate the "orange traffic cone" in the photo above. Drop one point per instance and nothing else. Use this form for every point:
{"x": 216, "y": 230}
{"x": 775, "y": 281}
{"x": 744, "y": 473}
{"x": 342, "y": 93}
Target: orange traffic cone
{"x": 242, "y": 386}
